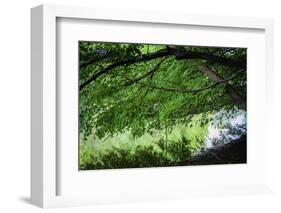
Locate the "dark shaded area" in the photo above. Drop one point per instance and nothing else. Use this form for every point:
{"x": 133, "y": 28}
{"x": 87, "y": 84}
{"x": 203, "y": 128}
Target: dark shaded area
{"x": 233, "y": 152}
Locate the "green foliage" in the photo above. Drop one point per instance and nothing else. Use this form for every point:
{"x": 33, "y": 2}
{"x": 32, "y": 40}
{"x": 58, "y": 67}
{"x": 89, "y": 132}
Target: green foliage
{"x": 151, "y": 149}
{"x": 136, "y": 97}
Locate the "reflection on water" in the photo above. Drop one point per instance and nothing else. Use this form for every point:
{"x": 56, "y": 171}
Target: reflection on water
{"x": 225, "y": 127}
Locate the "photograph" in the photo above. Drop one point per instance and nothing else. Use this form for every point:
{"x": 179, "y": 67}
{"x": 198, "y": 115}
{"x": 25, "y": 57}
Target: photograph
{"x": 161, "y": 105}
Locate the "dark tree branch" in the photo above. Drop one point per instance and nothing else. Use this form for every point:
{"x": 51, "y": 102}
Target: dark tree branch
{"x": 146, "y": 57}
{"x": 179, "y": 54}
{"x": 235, "y": 96}
{"x": 150, "y": 73}
{"x": 224, "y": 81}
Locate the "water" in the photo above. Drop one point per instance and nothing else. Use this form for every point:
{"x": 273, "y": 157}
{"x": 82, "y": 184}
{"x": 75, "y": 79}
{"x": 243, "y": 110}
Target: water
{"x": 226, "y": 127}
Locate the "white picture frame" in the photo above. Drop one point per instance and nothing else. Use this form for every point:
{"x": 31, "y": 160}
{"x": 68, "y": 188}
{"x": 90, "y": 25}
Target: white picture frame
{"x": 45, "y": 178}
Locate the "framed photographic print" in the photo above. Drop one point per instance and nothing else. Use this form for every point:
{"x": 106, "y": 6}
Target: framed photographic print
{"x": 130, "y": 106}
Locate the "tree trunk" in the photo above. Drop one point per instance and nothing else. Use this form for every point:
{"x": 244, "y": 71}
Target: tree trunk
{"x": 235, "y": 96}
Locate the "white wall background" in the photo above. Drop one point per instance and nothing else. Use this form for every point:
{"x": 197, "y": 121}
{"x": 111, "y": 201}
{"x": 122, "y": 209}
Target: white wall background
{"x": 15, "y": 105}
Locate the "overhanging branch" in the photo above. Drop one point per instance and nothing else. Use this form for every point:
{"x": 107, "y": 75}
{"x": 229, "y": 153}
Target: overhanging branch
{"x": 179, "y": 55}
{"x": 150, "y": 73}
{"x": 224, "y": 81}
{"x": 127, "y": 62}
{"x": 235, "y": 96}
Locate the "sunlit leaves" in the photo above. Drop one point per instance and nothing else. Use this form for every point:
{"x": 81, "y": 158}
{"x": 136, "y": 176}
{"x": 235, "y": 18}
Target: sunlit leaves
{"x": 124, "y": 99}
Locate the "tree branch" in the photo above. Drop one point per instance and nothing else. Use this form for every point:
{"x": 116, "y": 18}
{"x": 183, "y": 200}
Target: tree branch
{"x": 151, "y": 72}
{"x": 146, "y": 57}
{"x": 235, "y": 96}
{"x": 224, "y": 81}
{"x": 179, "y": 54}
